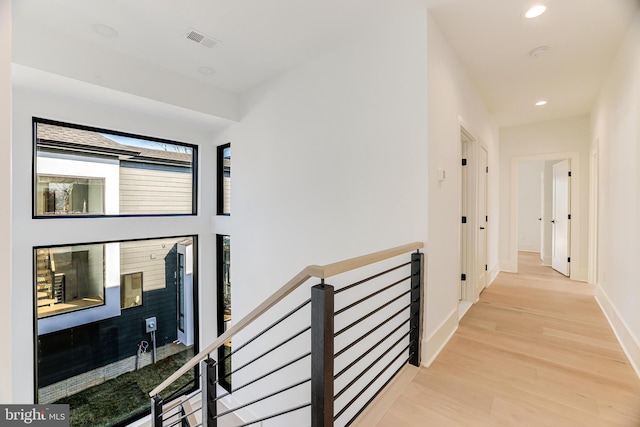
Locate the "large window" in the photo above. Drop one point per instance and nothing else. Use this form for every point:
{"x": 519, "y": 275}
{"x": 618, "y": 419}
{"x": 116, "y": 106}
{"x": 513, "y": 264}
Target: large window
{"x": 82, "y": 171}
{"x": 224, "y": 179}
{"x": 224, "y": 307}
{"x": 93, "y": 351}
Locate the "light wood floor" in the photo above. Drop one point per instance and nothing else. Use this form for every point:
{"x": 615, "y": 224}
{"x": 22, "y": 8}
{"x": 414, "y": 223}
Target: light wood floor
{"x": 534, "y": 351}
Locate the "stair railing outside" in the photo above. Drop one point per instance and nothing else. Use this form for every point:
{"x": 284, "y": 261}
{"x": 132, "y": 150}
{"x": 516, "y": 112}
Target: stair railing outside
{"x": 363, "y": 314}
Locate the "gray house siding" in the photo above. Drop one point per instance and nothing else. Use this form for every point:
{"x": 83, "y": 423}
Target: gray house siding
{"x": 155, "y": 188}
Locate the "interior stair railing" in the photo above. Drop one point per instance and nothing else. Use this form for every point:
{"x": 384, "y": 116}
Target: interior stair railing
{"x": 310, "y": 355}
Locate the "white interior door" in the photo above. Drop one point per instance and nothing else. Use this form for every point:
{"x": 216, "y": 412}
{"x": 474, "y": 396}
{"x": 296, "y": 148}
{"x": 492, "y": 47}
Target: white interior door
{"x": 481, "y": 248}
{"x": 560, "y": 250}
{"x": 541, "y": 217}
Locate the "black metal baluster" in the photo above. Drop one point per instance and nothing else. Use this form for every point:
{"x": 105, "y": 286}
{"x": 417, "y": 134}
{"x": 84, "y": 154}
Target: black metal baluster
{"x": 417, "y": 293}
{"x": 156, "y": 411}
{"x": 322, "y": 355}
{"x": 209, "y": 393}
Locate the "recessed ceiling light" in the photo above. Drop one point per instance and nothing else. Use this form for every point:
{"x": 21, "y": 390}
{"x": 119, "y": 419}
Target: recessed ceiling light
{"x": 539, "y": 51}
{"x": 535, "y": 11}
{"x": 206, "y": 70}
{"x": 541, "y": 103}
{"x": 105, "y": 31}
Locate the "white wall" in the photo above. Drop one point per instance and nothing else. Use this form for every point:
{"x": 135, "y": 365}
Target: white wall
{"x": 5, "y": 208}
{"x": 451, "y": 96}
{"x": 28, "y": 232}
{"x": 330, "y": 160}
{"x": 553, "y": 140}
{"x": 615, "y": 123}
{"x": 529, "y": 205}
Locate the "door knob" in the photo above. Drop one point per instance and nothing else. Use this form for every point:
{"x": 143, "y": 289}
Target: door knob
{"x": 553, "y": 221}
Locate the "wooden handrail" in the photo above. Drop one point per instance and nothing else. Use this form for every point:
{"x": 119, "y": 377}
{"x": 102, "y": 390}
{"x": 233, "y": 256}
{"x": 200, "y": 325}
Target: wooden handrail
{"x": 318, "y": 271}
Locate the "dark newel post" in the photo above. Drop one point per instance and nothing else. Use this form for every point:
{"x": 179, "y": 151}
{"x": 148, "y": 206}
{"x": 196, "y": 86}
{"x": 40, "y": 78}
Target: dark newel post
{"x": 322, "y": 356}
{"x": 209, "y": 406}
{"x": 417, "y": 298}
{"x": 156, "y": 411}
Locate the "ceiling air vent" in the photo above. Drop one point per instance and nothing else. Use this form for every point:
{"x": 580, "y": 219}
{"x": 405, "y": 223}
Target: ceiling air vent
{"x": 200, "y": 38}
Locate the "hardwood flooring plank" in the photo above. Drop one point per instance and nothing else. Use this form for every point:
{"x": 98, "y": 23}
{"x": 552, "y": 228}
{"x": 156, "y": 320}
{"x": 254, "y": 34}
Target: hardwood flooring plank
{"x": 536, "y": 350}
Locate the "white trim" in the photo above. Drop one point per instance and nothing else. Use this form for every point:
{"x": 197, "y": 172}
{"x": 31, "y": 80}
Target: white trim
{"x": 629, "y": 343}
{"x": 463, "y": 307}
{"x": 439, "y": 338}
{"x": 578, "y": 259}
{"x": 493, "y": 273}
{"x": 592, "y": 272}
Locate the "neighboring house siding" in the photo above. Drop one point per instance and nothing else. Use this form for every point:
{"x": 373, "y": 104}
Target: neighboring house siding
{"x": 226, "y": 188}
{"x": 150, "y": 258}
{"x": 154, "y": 188}
{"x": 80, "y": 349}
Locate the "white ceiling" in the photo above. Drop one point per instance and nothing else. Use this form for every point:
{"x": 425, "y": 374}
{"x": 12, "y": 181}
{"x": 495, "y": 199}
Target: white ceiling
{"x": 493, "y": 42}
{"x": 261, "y": 38}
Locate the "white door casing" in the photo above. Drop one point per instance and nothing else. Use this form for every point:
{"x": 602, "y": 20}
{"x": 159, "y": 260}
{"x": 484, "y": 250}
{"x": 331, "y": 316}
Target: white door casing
{"x": 541, "y": 216}
{"x": 482, "y": 215}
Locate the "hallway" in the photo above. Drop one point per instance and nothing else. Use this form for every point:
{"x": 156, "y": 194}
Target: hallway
{"x": 536, "y": 350}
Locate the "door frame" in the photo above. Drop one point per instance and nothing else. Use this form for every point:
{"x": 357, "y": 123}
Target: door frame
{"x": 592, "y": 274}
{"x": 561, "y": 230}
{"x": 482, "y": 222}
{"x": 468, "y": 206}
{"x": 577, "y": 258}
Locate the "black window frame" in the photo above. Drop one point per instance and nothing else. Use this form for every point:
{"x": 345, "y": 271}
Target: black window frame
{"x": 220, "y": 173}
{"x": 196, "y": 316}
{"x": 34, "y": 166}
{"x": 224, "y": 379}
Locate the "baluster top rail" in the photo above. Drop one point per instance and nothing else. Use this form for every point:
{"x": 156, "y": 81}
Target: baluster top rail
{"x": 321, "y": 272}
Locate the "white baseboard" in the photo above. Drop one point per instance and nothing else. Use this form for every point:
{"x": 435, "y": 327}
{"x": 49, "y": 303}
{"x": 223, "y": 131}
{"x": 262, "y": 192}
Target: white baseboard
{"x": 532, "y": 250}
{"x": 493, "y": 273}
{"x": 630, "y": 344}
{"x": 434, "y": 343}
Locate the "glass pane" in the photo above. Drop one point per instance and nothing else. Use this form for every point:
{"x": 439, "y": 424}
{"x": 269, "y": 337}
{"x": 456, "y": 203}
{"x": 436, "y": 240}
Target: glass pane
{"x": 69, "y": 279}
{"x": 224, "y": 312}
{"x": 224, "y": 180}
{"x": 93, "y": 172}
{"x": 63, "y": 195}
{"x": 131, "y": 290}
{"x": 100, "y": 360}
